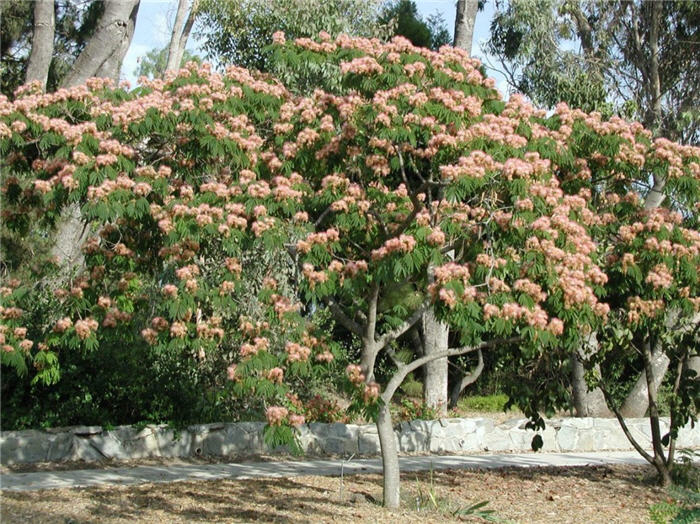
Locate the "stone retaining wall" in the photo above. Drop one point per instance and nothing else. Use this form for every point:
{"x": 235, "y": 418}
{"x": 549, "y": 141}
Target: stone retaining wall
{"x": 245, "y": 439}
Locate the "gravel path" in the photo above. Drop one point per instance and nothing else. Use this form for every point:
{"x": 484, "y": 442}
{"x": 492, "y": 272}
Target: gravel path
{"x": 175, "y": 473}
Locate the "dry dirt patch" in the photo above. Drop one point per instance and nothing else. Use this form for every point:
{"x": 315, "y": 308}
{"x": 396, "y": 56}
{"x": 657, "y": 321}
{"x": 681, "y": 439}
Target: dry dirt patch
{"x": 605, "y": 494}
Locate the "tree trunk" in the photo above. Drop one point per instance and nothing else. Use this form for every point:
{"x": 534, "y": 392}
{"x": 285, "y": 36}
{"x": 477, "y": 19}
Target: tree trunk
{"x": 465, "y": 380}
{"x": 435, "y": 340}
{"x": 652, "y": 385}
{"x": 390, "y": 458}
{"x": 71, "y": 233}
{"x": 180, "y": 34}
{"x": 105, "y": 50}
{"x": 42, "y": 43}
{"x": 464, "y": 24}
{"x": 637, "y": 401}
{"x": 587, "y": 403}
{"x": 367, "y": 359}
{"x": 654, "y": 119}
{"x": 102, "y": 56}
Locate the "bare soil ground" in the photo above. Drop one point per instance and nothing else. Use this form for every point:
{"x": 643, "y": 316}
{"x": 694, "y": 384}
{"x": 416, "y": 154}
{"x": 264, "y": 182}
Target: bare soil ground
{"x": 599, "y": 494}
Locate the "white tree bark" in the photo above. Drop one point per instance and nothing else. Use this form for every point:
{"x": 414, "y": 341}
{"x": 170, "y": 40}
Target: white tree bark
{"x": 587, "y": 403}
{"x": 105, "y": 50}
{"x": 181, "y": 33}
{"x": 637, "y": 401}
{"x": 390, "y": 458}
{"x": 435, "y": 340}
{"x": 42, "y": 43}
{"x": 71, "y": 233}
{"x": 464, "y": 24}
{"x": 102, "y": 57}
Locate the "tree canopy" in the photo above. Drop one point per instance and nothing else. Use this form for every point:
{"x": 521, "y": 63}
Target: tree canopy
{"x": 637, "y": 59}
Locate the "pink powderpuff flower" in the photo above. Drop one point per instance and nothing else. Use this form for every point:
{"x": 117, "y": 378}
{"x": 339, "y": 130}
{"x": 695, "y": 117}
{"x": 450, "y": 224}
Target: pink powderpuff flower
{"x": 275, "y": 415}
{"x": 326, "y": 356}
{"x": 555, "y": 327}
{"x": 231, "y": 371}
{"x": 278, "y": 38}
{"x": 275, "y": 375}
{"x": 448, "y": 297}
{"x": 62, "y": 325}
{"x": 355, "y": 374}
{"x": 104, "y": 302}
{"x": 150, "y": 336}
{"x": 371, "y": 392}
{"x": 170, "y": 290}
{"x": 178, "y": 330}
{"x": 84, "y": 328}
{"x": 296, "y": 420}
{"x": 436, "y": 238}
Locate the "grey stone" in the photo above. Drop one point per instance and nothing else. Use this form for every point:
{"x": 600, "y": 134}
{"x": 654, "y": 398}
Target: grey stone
{"x": 19, "y": 447}
{"x": 172, "y": 443}
{"x": 497, "y": 440}
{"x": 246, "y": 438}
{"x": 689, "y": 437}
{"x": 60, "y": 446}
{"x": 108, "y": 446}
{"x": 567, "y": 438}
{"x": 83, "y": 449}
{"x": 368, "y": 440}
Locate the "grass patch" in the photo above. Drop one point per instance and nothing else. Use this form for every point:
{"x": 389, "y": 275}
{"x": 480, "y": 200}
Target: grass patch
{"x": 483, "y": 404}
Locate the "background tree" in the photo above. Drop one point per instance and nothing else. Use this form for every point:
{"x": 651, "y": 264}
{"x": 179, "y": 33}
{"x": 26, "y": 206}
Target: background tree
{"x": 622, "y": 57}
{"x": 42, "y": 43}
{"x": 182, "y": 27}
{"x": 629, "y": 58}
{"x": 74, "y": 23}
{"x": 403, "y": 16}
{"x": 465, "y": 18}
{"x": 238, "y": 32}
{"x": 152, "y": 64}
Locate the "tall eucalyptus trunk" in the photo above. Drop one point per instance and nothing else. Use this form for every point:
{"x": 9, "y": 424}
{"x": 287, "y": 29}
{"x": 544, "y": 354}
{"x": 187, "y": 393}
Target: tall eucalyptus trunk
{"x": 42, "y": 43}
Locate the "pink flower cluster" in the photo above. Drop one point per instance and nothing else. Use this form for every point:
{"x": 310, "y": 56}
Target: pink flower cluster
{"x": 659, "y": 277}
{"x": 296, "y": 352}
{"x": 365, "y": 65}
{"x": 276, "y": 415}
{"x": 401, "y": 244}
{"x": 371, "y": 392}
{"x": 259, "y": 344}
{"x": 475, "y": 165}
{"x": 283, "y": 305}
{"x": 354, "y": 373}
{"x": 312, "y": 276}
{"x": 86, "y": 327}
{"x": 321, "y": 238}
{"x": 275, "y": 375}
{"x": 638, "y": 308}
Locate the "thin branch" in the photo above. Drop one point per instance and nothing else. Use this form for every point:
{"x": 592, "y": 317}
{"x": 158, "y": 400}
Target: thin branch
{"x": 344, "y": 320}
{"x": 398, "y": 378}
{"x": 623, "y": 425}
{"x": 322, "y": 216}
{"x": 392, "y": 335}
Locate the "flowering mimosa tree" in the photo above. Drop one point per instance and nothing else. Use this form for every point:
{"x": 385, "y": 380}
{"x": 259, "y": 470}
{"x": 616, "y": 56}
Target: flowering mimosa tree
{"x": 519, "y": 229}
